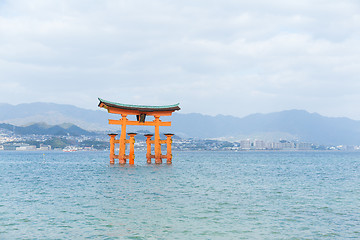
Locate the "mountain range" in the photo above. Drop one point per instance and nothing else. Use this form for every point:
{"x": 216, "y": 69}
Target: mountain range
{"x": 53, "y": 114}
{"x": 45, "y": 129}
{"x": 290, "y": 124}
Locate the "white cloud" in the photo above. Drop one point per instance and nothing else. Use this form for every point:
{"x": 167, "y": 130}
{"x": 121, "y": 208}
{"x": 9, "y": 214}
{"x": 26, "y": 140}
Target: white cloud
{"x": 228, "y": 57}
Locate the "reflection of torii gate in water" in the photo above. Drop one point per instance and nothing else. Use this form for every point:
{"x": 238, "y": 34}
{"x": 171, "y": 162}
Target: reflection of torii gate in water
{"x": 141, "y": 112}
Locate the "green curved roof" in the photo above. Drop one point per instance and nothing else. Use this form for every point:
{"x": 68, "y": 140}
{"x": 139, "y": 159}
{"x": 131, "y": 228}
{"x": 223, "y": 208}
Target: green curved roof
{"x": 173, "y": 107}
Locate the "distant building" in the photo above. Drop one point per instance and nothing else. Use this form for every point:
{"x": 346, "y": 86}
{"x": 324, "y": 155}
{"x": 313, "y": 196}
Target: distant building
{"x": 259, "y": 145}
{"x": 26, "y": 148}
{"x": 11, "y": 146}
{"x": 245, "y": 144}
{"x": 341, "y": 147}
{"x": 44, "y": 147}
{"x": 287, "y": 145}
{"x": 350, "y": 148}
{"x": 303, "y": 146}
{"x": 274, "y": 146}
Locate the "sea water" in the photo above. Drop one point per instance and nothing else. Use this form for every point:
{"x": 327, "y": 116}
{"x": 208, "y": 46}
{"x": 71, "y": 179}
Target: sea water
{"x": 202, "y": 195}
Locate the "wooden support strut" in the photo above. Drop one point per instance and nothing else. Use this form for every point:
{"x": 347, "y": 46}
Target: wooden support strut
{"x": 122, "y": 143}
{"x": 148, "y": 147}
{"x": 131, "y": 153}
{"x": 168, "y": 148}
{"x": 158, "y": 159}
{"x": 112, "y": 147}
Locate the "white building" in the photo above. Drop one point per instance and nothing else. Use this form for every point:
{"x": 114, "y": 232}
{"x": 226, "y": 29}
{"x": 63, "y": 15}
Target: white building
{"x": 44, "y": 147}
{"x": 26, "y": 148}
{"x": 259, "y": 145}
{"x": 303, "y": 146}
{"x": 287, "y": 145}
{"x": 245, "y": 144}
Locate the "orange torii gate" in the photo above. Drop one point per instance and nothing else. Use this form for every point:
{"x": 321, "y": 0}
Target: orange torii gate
{"x": 141, "y": 112}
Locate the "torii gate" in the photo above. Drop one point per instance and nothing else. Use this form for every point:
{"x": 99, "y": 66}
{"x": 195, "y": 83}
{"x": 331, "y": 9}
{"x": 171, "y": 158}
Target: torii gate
{"x": 141, "y": 112}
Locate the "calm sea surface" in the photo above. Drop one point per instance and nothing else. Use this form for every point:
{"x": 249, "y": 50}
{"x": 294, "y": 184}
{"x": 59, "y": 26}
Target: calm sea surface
{"x": 202, "y": 195}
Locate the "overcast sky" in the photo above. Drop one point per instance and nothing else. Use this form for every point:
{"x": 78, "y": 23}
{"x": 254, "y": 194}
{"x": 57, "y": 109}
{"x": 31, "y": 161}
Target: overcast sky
{"x": 228, "y": 57}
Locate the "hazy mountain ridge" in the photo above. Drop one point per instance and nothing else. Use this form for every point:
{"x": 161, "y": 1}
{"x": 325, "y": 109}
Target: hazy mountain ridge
{"x": 290, "y": 124}
{"x": 296, "y": 124}
{"x": 45, "y": 129}
{"x": 54, "y": 114}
